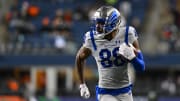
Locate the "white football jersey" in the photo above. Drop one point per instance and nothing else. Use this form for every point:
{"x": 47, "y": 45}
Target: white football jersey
{"x": 113, "y": 71}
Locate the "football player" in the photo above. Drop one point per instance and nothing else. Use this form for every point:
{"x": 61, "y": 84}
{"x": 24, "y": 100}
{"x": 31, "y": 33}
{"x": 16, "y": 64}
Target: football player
{"x": 113, "y": 47}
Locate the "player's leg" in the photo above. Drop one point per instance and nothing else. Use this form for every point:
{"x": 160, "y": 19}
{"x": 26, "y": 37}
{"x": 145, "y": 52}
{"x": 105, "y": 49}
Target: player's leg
{"x": 125, "y": 97}
{"x": 105, "y": 97}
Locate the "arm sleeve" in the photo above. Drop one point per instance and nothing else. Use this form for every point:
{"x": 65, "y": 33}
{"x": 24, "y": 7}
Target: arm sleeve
{"x": 138, "y": 62}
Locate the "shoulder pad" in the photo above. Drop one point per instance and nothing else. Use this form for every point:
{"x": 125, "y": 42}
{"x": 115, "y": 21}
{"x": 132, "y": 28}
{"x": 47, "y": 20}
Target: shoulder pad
{"x": 87, "y": 36}
{"x": 132, "y": 30}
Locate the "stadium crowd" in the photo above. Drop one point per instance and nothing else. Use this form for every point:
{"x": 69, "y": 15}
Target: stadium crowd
{"x": 57, "y": 27}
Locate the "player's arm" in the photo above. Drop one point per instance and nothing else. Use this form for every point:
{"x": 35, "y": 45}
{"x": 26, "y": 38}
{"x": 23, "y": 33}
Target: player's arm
{"x": 138, "y": 61}
{"x": 81, "y": 56}
{"x": 131, "y": 51}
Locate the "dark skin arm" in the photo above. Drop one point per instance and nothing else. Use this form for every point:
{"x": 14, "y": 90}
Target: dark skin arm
{"x": 136, "y": 46}
{"x": 81, "y": 56}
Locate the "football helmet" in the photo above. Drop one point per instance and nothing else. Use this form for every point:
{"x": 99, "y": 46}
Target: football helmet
{"x": 106, "y": 19}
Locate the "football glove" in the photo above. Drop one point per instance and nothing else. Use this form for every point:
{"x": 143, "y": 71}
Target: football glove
{"x": 127, "y": 51}
{"x": 84, "y": 91}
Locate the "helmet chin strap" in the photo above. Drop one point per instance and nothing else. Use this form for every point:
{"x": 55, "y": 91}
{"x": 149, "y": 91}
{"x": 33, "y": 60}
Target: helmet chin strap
{"x": 101, "y": 36}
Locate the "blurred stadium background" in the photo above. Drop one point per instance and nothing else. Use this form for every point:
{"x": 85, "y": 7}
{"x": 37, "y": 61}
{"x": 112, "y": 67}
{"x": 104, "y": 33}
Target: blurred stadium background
{"x": 39, "y": 40}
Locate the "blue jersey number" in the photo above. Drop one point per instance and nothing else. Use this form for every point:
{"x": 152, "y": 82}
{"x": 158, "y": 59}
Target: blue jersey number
{"x": 108, "y": 58}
